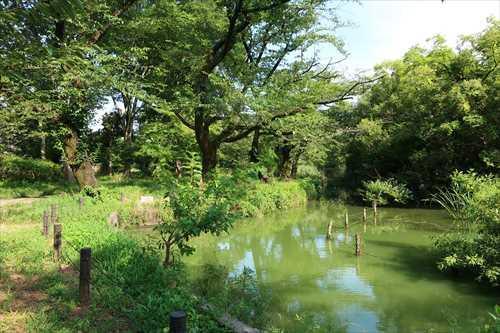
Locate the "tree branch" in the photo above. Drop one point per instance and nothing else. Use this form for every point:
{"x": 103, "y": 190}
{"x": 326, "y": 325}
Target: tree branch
{"x": 96, "y": 37}
{"x": 345, "y": 95}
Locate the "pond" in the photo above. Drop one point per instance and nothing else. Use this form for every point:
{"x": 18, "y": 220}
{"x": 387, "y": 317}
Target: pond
{"x": 393, "y": 286}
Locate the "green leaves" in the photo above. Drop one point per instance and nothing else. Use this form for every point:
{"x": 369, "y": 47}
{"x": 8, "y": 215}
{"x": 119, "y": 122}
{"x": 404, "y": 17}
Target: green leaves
{"x": 381, "y": 191}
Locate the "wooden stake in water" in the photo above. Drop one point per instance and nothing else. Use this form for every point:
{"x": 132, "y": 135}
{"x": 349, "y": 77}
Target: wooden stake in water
{"x": 329, "y": 231}
{"x": 81, "y": 202}
{"x": 45, "y": 223}
{"x": 358, "y": 245}
{"x": 374, "y": 205}
{"x": 364, "y": 215}
{"x": 57, "y": 241}
{"x": 346, "y": 223}
{"x": 85, "y": 260}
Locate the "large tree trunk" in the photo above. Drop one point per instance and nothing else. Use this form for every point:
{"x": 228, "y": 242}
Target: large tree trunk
{"x": 255, "y": 150}
{"x": 73, "y": 169}
{"x": 208, "y": 151}
{"x": 284, "y": 161}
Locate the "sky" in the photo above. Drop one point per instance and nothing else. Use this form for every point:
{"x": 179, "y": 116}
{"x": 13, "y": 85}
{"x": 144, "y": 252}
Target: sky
{"x": 386, "y": 29}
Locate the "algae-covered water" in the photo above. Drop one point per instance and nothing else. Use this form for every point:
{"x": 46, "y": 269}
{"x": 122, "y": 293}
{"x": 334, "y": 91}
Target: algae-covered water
{"x": 322, "y": 286}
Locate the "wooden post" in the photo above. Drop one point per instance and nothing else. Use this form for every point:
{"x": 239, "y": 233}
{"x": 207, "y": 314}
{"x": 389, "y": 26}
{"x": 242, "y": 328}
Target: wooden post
{"x": 178, "y": 322}
{"x": 53, "y": 214}
{"x": 81, "y": 201}
{"x": 45, "y": 223}
{"x": 329, "y": 232}
{"x": 85, "y": 260}
{"x": 364, "y": 215}
{"x": 358, "y": 245}
{"x": 374, "y": 205}
{"x": 346, "y": 223}
{"x": 57, "y": 241}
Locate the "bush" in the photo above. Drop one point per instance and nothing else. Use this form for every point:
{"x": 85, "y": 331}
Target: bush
{"x": 381, "y": 191}
{"x": 17, "y": 168}
{"x": 472, "y": 201}
{"x": 268, "y": 197}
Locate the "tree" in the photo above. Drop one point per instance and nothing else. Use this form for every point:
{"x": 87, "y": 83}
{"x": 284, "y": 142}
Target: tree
{"x": 433, "y": 111}
{"x": 53, "y": 65}
{"x": 235, "y": 48}
{"x": 192, "y": 210}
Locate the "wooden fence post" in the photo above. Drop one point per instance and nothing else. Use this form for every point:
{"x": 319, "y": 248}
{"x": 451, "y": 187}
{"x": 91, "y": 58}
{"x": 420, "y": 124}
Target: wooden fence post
{"x": 364, "y": 215}
{"x": 81, "y": 202}
{"x": 85, "y": 260}
{"x": 53, "y": 214}
{"x": 358, "y": 245}
{"x": 346, "y": 223}
{"x": 57, "y": 241}
{"x": 178, "y": 322}
{"x": 329, "y": 231}
{"x": 45, "y": 223}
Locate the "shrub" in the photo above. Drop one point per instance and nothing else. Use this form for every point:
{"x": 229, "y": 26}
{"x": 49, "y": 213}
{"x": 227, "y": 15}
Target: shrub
{"x": 379, "y": 192}
{"x": 193, "y": 209}
{"x": 17, "y": 168}
{"x": 473, "y": 202}
{"x": 268, "y": 197}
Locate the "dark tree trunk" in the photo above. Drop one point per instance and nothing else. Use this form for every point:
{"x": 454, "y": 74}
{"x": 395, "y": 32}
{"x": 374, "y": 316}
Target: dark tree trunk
{"x": 255, "y": 150}
{"x": 295, "y": 165}
{"x": 208, "y": 156}
{"x": 295, "y": 162}
{"x": 284, "y": 161}
{"x": 43, "y": 147}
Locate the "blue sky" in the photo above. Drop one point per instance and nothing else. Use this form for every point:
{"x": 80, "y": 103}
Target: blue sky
{"x": 385, "y": 29}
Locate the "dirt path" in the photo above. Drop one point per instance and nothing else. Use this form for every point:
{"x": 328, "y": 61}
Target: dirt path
{"x": 17, "y": 201}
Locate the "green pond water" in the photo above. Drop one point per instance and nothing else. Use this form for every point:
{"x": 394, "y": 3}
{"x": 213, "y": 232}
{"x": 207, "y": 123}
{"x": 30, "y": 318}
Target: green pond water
{"x": 322, "y": 286}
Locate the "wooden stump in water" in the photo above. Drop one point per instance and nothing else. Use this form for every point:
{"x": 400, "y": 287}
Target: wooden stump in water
{"x": 85, "y": 261}
{"x": 358, "y": 245}
{"x": 57, "y": 241}
{"x": 364, "y": 215}
{"x": 329, "y": 231}
{"x": 346, "y": 223}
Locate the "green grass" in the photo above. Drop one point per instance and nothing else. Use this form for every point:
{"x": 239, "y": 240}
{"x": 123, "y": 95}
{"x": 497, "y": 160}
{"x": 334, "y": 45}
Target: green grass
{"x": 131, "y": 289}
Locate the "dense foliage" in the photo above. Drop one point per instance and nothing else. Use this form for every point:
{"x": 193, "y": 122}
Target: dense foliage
{"x": 473, "y": 201}
{"x": 227, "y": 107}
{"x": 430, "y": 113}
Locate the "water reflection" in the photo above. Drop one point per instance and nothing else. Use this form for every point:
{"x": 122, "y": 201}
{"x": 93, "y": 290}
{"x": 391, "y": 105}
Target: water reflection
{"x": 322, "y": 284}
